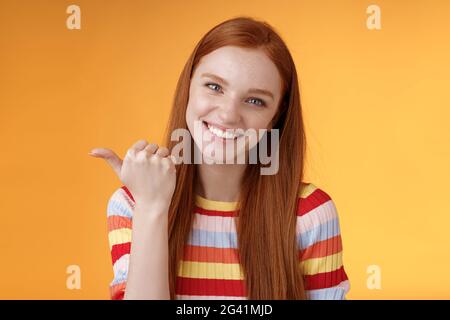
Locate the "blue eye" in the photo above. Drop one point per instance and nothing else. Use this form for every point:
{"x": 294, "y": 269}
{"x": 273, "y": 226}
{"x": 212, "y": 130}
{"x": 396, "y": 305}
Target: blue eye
{"x": 212, "y": 84}
{"x": 261, "y": 102}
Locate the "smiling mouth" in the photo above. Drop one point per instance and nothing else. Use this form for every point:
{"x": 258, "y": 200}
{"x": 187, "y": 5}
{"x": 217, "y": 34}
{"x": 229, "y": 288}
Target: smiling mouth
{"x": 229, "y": 134}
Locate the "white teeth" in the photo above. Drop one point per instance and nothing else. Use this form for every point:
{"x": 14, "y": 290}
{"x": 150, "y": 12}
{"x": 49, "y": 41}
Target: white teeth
{"x": 222, "y": 134}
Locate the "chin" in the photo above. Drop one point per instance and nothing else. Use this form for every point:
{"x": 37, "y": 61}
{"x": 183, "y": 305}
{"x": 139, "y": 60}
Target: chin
{"x": 227, "y": 160}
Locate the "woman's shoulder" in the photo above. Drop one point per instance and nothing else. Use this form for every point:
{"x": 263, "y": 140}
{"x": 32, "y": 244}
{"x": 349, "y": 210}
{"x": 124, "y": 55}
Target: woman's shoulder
{"x": 310, "y": 190}
{"x": 315, "y": 200}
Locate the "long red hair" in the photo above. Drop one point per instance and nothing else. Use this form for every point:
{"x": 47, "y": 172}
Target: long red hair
{"x": 266, "y": 226}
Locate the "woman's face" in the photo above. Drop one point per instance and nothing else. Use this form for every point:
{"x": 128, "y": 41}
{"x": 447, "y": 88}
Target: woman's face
{"x": 231, "y": 88}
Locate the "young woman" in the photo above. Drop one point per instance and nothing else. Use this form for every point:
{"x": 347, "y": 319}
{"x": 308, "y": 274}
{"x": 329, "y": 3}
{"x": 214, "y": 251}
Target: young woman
{"x": 226, "y": 231}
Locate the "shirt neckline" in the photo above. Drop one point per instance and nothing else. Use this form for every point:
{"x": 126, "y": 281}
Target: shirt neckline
{"x": 216, "y": 205}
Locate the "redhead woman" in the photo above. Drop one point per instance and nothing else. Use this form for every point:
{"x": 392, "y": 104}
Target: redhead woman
{"x": 221, "y": 229}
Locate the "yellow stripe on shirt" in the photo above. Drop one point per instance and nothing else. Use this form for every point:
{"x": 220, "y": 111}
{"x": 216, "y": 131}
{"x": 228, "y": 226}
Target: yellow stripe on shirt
{"x": 215, "y": 205}
{"x": 209, "y": 270}
{"x": 307, "y": 190}
{"x": 119, "y": 236}
{"x": 233, "y": 271}
{"x": 320, "y": 265}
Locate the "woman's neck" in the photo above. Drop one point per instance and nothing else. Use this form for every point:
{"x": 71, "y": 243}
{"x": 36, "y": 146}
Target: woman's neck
{"x": 220, "y": 182}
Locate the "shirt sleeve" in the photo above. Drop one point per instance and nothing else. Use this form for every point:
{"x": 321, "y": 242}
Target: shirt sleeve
{"x": 320, "y": 243}
{"x": 119, "y": 217}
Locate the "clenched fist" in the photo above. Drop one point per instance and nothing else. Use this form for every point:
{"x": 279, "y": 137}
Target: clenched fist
{"x": 147, "y": 171}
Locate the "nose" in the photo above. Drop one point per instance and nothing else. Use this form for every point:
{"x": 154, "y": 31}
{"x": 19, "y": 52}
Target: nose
{"x": 229, "y": 112}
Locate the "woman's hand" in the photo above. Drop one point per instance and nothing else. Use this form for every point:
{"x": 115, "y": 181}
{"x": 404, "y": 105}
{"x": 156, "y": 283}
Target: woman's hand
{"x": 147, "y": 171}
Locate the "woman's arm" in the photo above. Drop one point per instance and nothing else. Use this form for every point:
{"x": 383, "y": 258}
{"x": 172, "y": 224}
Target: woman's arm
{"x": 148, "y": 275}
{"x": 140, "y": 266}
{"x": 321, "y": 243}
{"x": 149, "y": 176}
{"x": 119, "y": 216}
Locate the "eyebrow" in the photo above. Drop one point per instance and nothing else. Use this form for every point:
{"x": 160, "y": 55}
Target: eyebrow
{"x": 252, "y": 90}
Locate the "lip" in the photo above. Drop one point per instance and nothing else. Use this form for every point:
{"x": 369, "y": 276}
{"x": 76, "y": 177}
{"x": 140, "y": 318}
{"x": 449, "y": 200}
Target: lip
{"x": 219, "y": 126}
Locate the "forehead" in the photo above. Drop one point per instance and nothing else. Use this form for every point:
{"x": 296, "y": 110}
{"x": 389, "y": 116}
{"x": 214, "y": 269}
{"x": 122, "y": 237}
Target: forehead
{"x": 242, "y": 67}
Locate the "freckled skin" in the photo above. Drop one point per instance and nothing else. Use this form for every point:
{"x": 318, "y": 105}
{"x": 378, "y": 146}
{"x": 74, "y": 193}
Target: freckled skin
{"x": 231, "y": 106}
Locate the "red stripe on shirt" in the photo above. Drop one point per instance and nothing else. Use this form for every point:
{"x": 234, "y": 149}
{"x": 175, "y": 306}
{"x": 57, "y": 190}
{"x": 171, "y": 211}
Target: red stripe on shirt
{"x": 215, "y": 212}
{"x": 210, "y": 254}
{"x": 128, "y": 192}
{"x": 315, "y": 199}
{"x": 325, "y": 279}
{"x": 322, "y": 248}
{"x": 117, "y": 291}
{"x": 119, "y": 250}
{"x": 118, "y": 222}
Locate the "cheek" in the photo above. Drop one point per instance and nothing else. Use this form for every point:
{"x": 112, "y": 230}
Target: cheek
{"x": 202, "y": 105}
{"x": 198, "y": 108}
{"x": 257, "y": 120}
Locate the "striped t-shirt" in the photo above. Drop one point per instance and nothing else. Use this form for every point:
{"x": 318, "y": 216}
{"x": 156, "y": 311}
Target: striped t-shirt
{"x": 210, "y": 266}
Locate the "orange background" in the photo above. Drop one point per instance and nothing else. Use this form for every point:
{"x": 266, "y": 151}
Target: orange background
{"x": 376, "y": 109}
